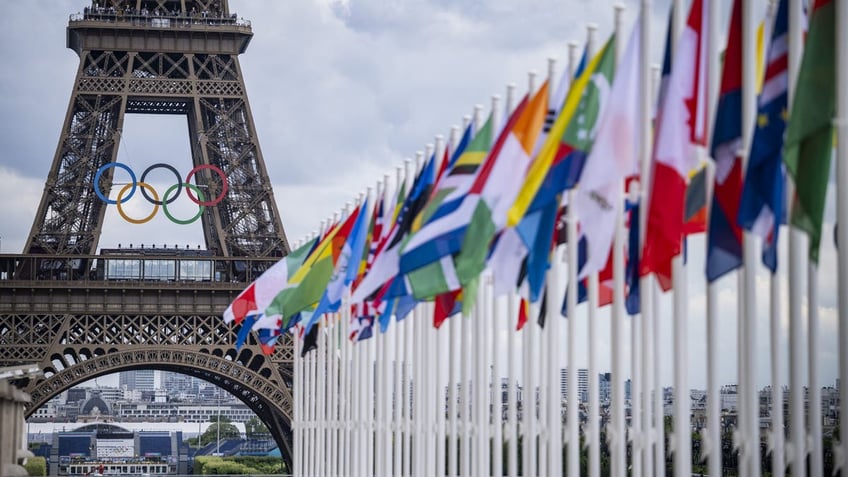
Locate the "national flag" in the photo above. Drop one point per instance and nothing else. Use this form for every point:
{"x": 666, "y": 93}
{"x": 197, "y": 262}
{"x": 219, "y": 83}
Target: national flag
{"x": 363, "y": 313}
{"x": 446, "y": 305}
{"x": 344, "y": 271}
{"x": 256, "y": 297}
{"x": 523, "y": 314}
{"x": 310, "y": 341}
{"x": 631, "y": 272}
{"x": 495, "y": 188}
{"x": 680, "y": 130}
{"x": 312, "y": 278}
{"x": 695, "y": 202}
{"x": 538, "y": 225}
{"x": 665, "y": 72}
{"x": 762, "y": 207}
{"x": 438, "y": 237}
{"x": 614, "y": 156}
{"x": 724, "y": 236}
{"x": 809, "y": 135}
{"x": 560, "y": 160}
{"x": 386, "y": 264}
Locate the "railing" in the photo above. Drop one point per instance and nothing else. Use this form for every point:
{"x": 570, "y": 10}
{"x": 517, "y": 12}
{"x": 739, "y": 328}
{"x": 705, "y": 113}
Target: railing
{"x": 178, "y": 21}
{"x": 131, "y": 267}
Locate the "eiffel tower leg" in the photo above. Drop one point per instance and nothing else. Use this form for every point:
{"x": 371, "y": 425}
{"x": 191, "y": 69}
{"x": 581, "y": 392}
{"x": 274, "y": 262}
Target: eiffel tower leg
{"x": 70, "y": 216}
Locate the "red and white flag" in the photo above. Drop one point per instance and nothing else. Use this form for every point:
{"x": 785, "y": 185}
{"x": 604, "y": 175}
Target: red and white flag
{"x": 681, "y": 131}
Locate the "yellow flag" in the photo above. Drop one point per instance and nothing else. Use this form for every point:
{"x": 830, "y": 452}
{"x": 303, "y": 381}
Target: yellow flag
{"x": 542, "y": 163}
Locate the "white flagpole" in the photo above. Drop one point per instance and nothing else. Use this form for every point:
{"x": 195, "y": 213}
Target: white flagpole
{"x": 796, "y": 450}
{"x": 512, "y": 426}
{"x": 649, "y": 293}
{"x": 419, "y": 349}
{"x": 572, "y": 426}
{"x": 750, "y": 256}
{"x": 530, "y": 335}
{"x": 777, "y": 441}
{"x": 617, "y": 430}
{"x": 465, "y": 391}
{"x": 386, "y": 356}
{"x": 593, "y": 434}
{"x": 453, "y": 363}
{"x": 358, "y": 375}
{"x": 492, "y": 327}
{"x": 681, "y": 438}
{"x": 841, "y": 123}
{"x": 712, "y": 434}
{"x": 344, "y": 387}
{"x": 634, "y": 431}
{"x": 338, "y": 335}
{"x": 442, "y": 336}
{"x": 312, "y": 394}
{"x": 814, "y": 418}
{"x": 553, "y": 418}
{"x": 776, "y": 437}
{"x": 528, "y": 453}
{"x": 679, "y": 441}
{"x": 512, "y": 390}
{"x": 422, "y": 313}
{"x": 321, "y": 398}
{"x": 645, "y": 284}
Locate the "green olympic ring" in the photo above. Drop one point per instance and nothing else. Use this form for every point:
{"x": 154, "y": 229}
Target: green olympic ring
{"x": 165, "y": 203}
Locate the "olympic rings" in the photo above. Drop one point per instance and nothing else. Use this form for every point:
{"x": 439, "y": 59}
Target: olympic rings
{"x": 100, "y": 173}
{"x": 195, "y": 194}
{"x": 165, "y": 203}
{"x": 130, "y": 219}
{"x": 218, "y": 171}
{"x": 176, "y": 174}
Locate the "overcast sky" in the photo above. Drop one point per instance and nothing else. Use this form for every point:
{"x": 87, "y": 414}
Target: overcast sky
{"x": 341, "y": 93}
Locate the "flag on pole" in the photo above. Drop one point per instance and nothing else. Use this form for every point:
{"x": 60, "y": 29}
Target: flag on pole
{"x": 724, "y": 236}
{"x": 310, "y": 280}
{"x": 559, "y": 162}
{"x": 386, "y": 263}
{"x": 441, "y": 234}
{"x": 680, "y": 130}
{"x": 695, "y": 203}
{"x": 614, "y": 157}
{"x": 762, "y": 207}
{"x": 258, "y": 295}
{"x": 495, "y": 188}
{"x": 345, "y": 268}
{"x": 809, "y": 137}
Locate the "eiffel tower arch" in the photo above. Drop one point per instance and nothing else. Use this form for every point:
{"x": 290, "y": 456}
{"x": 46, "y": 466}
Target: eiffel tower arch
{"x": 62, "y": 306}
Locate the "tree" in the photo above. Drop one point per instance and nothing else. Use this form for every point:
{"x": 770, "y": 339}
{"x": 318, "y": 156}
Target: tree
{"x": 228, "y": 430}
{"x": 254, "y": 428}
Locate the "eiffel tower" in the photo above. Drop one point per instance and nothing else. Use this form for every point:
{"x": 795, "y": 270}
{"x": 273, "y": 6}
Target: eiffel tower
{"x": 80, "y": 313}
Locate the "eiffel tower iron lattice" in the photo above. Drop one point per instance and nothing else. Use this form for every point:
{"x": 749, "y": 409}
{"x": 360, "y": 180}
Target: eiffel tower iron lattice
{"x": 63, "y": 304}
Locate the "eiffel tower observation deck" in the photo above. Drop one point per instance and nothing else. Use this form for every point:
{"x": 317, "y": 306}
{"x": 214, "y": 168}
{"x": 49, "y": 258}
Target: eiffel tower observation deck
{"x": 77, "y": 310}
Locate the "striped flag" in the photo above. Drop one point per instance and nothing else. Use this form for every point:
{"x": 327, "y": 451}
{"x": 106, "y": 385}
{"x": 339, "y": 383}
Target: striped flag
{"x": 724, "y": 236}
{"x": 762, "y": 208}
{"x": 809, "y": 135}
{"x": 681, "y": 129}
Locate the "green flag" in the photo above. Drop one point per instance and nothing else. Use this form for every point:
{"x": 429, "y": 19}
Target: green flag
{"x": 809, "y": 137}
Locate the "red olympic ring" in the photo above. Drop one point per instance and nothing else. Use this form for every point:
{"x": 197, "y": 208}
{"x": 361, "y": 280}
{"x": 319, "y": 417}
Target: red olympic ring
{"x": 220, "y": 197}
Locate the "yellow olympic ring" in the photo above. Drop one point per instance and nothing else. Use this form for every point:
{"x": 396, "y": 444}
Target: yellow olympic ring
{"x": 129, "y": 219}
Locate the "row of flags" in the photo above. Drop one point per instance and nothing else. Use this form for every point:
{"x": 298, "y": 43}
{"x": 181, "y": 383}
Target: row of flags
{"x": 495, "y": 199}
